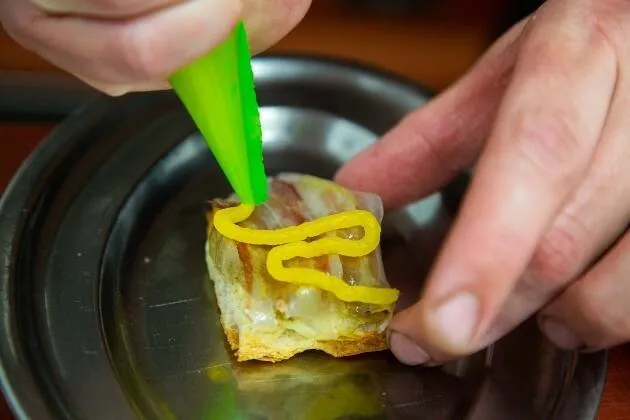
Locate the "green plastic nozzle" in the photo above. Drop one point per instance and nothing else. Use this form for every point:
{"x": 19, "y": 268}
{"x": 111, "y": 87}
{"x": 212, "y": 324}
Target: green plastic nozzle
{"x": 218, "y": 92}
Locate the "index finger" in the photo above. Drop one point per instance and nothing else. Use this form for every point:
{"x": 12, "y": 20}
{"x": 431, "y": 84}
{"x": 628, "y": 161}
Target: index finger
{"x": 546, "y": 130}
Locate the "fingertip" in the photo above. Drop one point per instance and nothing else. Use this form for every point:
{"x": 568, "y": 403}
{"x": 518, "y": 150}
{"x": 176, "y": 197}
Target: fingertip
{"x": 353, "y": 174}
{"x": 559, "y": 333}
{"x": 406, "y": 350}
{"x": 446, "y": 330}
{"x": 392, "y": 168}
{"x": 456, "y": 321}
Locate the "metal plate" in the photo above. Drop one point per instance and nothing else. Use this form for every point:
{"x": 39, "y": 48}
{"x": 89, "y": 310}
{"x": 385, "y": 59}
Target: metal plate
{"x": 105, "y": 302}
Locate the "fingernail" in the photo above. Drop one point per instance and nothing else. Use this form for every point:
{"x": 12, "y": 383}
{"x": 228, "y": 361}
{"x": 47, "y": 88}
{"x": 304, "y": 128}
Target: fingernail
{"x": 559, "y": 334}
{"x": 406, "y": 350}
{"x": 457, "y": 318}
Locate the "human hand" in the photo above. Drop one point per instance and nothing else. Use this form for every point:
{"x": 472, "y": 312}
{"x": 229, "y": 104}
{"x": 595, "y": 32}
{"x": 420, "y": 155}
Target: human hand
{"x": 133, "y": 45}
{"x": 544, "y": 114}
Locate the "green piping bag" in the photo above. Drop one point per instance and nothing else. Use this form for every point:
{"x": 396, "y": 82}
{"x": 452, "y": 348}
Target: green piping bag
{"x": 218, "y": 92}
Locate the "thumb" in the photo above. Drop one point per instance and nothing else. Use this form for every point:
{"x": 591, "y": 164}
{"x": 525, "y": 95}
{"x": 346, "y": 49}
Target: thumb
{"x": 434, "y": 143}
{"x": 269, "y": 21}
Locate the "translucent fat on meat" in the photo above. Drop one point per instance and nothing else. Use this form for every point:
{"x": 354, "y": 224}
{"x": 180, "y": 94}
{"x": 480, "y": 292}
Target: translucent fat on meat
{"x": 267, "y": 318}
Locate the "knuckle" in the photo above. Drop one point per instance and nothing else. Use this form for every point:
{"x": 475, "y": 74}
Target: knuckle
{"x": 604, "y": 25}
{"x": 548, "y": 142}
{"x": 604, "y": 33}
{"x": 578, "y": 33}
{"x": 561, "y": 253}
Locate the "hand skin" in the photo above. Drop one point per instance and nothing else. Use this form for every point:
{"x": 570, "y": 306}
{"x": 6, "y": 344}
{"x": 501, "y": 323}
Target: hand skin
{"x": 543, "y": 227}
{"x": 118, "y": 46}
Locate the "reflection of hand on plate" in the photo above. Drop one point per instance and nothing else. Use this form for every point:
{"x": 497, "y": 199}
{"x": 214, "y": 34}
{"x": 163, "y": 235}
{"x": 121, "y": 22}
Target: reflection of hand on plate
{"x": 550, "y": 194}
{"x": 132, "y": 45}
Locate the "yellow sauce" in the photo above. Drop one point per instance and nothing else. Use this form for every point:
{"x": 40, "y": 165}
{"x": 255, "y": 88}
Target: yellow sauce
{"x": 290, "y": 243}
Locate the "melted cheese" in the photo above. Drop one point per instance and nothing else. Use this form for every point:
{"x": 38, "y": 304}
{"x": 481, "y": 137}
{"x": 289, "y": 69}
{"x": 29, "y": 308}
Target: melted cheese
{"x": 289, "y": 243}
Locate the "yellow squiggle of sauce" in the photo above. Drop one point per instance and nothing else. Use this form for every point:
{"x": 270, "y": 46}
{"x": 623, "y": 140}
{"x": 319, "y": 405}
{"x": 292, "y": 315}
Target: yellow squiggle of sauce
{"x": 289, "y": 242}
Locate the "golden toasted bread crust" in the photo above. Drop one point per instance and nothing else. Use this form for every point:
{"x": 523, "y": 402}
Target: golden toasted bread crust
{"x": 231, "y": 333}
{"x": 257, "y": 349}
